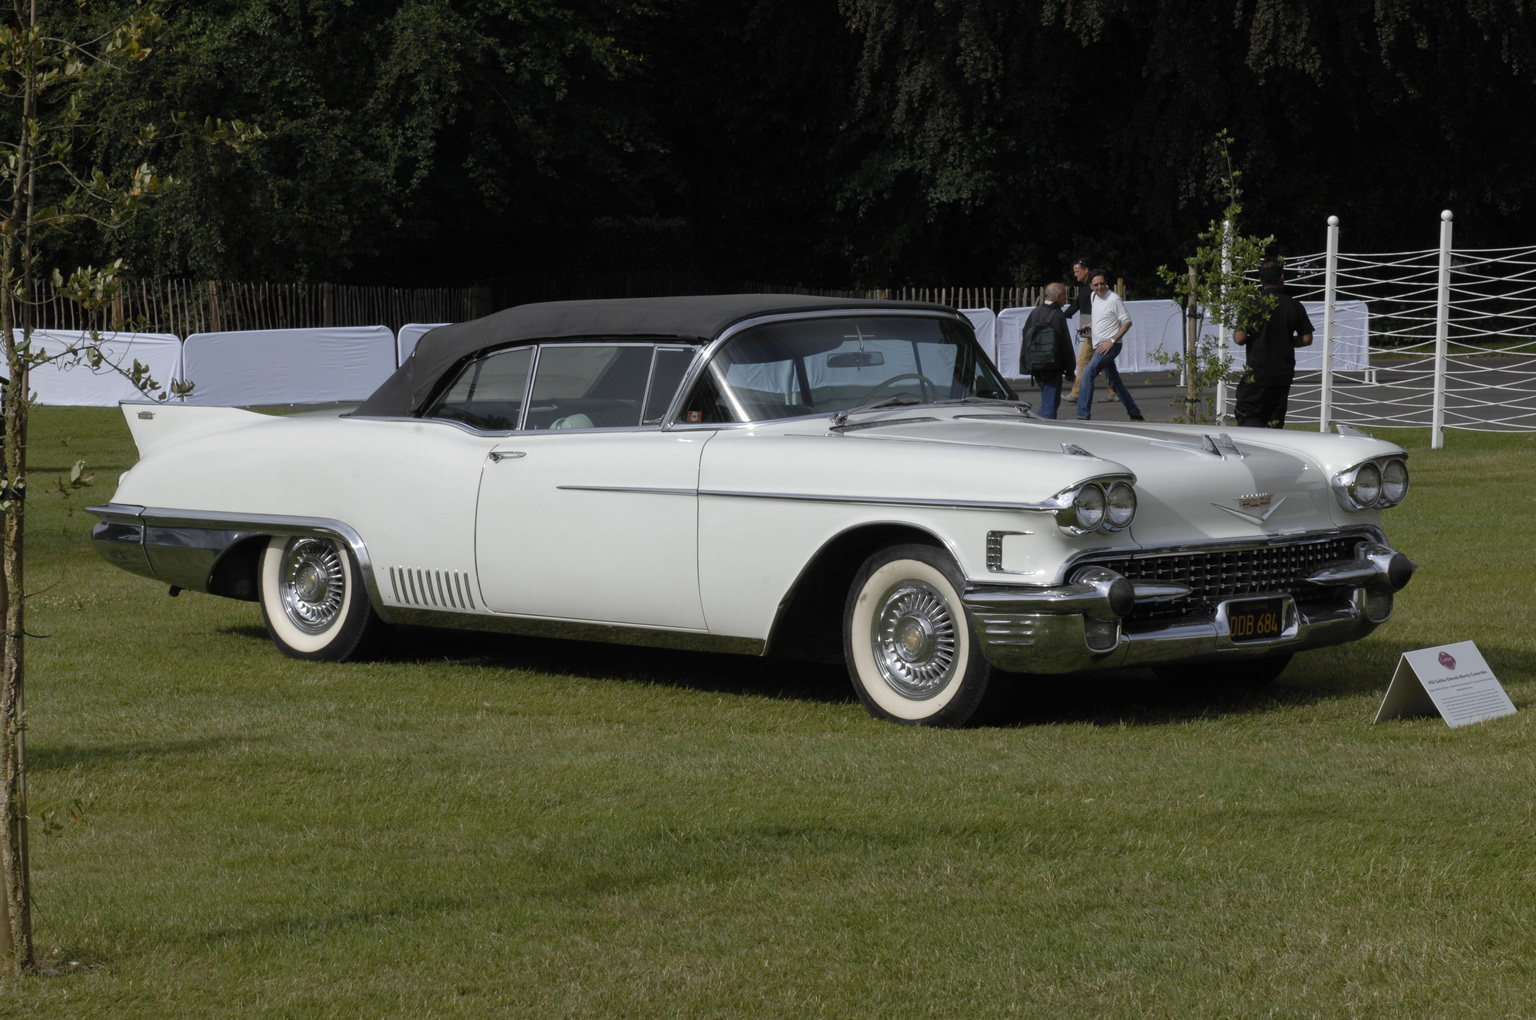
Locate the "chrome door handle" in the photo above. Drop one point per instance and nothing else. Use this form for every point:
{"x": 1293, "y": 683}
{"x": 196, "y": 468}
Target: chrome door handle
{"x": 497, "y": 456}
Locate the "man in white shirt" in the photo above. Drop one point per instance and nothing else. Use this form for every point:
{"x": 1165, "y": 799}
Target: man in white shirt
{"x": 1110, "y": 324}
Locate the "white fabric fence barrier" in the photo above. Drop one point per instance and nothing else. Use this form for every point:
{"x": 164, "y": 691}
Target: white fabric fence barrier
{"x": 984, "y": 320}
{"x": 66, "y": 378}
{"x": 410, "y": 335}
{"x": 288, "y": 366}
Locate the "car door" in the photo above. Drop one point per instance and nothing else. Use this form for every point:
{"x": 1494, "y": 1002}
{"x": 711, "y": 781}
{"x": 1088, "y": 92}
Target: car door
{"x": 589, "y": 512}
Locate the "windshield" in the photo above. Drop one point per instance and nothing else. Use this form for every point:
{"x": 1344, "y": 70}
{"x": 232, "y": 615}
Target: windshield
{"x": 825, "y": 365}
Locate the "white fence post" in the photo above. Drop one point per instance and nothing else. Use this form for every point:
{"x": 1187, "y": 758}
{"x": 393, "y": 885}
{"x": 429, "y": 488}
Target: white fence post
{"x": 1330, "y": 292}
{"x": 1221, "y": 327}
{"x": 1442, "y": 333}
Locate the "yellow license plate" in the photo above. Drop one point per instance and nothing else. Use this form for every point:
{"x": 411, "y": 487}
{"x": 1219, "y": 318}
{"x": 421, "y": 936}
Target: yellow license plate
{"x": 1256, "y": 619}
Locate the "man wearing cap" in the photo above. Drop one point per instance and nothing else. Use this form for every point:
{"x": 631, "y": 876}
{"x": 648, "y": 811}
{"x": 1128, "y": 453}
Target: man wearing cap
{"x": 1265, "y": 391}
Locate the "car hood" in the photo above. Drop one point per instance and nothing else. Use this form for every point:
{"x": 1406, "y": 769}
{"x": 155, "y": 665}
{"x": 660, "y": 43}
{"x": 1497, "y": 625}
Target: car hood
{"x": 1192, "y": 482}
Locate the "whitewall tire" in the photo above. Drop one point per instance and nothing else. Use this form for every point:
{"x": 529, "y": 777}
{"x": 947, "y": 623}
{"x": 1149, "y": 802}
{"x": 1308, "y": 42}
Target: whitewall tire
{"x": 910, "y": 648}
{"x": 313, "y": 602}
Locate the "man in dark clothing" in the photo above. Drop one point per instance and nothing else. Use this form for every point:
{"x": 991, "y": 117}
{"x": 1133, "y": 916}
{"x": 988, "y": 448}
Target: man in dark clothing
{"x": 1082, "y": 303}
{"x": 1048, "y": 313}
{"x": 1266, "y": 386}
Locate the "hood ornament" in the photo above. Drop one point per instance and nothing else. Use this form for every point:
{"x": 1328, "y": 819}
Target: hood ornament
{"x": 1252, "y": 501}
{"x": 1223, "y": 446}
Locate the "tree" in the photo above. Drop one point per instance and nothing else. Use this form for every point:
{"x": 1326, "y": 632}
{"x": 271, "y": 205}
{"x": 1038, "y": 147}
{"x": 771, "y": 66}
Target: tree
{"x": 1024, "y": 134}
{"x": 1217, "y": 288}
{"x": 749, "y": 99}
{"x": 423, "y": 141}
{"x": 50, "y": 83}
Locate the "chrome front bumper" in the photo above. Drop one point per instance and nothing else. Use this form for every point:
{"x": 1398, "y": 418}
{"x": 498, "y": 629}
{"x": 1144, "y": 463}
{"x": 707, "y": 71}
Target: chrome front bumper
{"x": 1091, "y": 622}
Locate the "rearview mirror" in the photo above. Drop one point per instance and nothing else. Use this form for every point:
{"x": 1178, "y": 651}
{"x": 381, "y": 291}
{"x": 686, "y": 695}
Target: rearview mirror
{"x": 855, "y": 359}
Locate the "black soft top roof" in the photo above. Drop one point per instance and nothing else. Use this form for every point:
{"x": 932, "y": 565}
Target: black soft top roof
{"x": 694, "y": 319}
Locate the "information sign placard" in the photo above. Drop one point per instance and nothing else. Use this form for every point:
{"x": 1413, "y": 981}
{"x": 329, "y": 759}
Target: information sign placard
{"x": 1451, "y": 681}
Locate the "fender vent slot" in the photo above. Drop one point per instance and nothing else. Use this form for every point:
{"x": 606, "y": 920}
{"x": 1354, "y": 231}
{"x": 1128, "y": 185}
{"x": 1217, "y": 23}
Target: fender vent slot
{"x": 431, "y": 589}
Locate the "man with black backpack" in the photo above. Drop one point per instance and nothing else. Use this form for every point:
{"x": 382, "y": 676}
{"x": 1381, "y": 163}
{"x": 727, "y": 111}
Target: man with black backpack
{"x": 1047, "y": 352}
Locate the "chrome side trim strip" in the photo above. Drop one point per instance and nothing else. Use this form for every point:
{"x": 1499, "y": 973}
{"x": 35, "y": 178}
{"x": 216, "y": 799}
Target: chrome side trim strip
{"x": 932, "y": 504}
{"x": 644, "y": 489}
{"x": 569, "y": 630}
{"x": 805, "y": 497}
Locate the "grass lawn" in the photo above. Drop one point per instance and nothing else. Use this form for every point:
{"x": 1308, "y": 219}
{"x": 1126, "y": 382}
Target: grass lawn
{"x": 484, "y": 826}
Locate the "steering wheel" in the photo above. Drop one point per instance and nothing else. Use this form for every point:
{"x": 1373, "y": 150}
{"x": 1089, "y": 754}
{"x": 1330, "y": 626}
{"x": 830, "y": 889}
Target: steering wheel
{"x": 928, "y": 386}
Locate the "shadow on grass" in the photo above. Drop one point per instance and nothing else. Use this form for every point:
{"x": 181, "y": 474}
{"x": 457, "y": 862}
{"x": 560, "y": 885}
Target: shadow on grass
{"x": 1136, "y": 697}
{"x": 1102, "y": 698}
{"x": 62, "y": 757}
{"x": 1107, "y": 698}
{"x": 707, "y": 672}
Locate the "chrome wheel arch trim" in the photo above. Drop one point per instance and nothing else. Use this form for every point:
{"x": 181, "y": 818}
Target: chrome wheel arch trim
{"x": 916, "y": 533}
{"x": 270, "y": 525}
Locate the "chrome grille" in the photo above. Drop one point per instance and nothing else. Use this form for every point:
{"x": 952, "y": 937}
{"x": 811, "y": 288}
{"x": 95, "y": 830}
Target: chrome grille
{"x": 1219, "y": 574}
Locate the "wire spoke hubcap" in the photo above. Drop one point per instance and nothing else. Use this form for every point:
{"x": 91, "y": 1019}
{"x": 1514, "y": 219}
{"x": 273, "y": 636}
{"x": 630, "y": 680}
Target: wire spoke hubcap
{"x": 914, "y": 640}
{"x": 314, "y": 583}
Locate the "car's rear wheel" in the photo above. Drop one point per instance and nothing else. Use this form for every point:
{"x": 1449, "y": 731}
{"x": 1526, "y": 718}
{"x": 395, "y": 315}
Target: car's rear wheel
{"x": 911, "y": 650}
{"x": 312, "y": 601}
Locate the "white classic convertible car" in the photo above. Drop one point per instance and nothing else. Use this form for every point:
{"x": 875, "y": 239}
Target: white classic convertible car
{"x": 772, "y": 475}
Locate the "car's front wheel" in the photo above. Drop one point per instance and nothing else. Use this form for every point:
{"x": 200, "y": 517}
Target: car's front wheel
{"x": 910, "y": 648}
{"x": 312, "y": 602}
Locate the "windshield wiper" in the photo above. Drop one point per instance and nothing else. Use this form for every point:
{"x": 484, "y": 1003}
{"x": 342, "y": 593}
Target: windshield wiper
{"x": 900, "y": 400}
{"x": 1020, "y": 404}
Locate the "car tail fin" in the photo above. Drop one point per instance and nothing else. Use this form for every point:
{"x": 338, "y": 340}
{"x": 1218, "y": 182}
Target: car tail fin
{"x": 157, "y": 425}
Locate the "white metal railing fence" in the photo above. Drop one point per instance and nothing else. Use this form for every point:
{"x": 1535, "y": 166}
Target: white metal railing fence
{"x": 1452, "y": 337}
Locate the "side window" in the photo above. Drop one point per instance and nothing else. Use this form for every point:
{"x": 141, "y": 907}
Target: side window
{"x": 705, "y": 405}
{"x": 666, "y": 375}
{"x": 488, "y": 393}
{"x": 588, "y": 386}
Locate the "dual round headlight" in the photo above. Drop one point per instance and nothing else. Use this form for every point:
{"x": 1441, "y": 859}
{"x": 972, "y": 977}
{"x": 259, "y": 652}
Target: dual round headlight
{"x": 1373, "y": 484}
{"x": 1101, "y": 506}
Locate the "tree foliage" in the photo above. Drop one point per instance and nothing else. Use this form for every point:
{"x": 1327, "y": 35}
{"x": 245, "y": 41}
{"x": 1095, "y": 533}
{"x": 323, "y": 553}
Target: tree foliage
{"x": 1084, "y": 123}
{"x": 1218, "y": 288}
{"x": 874, "y": 142}
{"x": 470, "y": 127}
